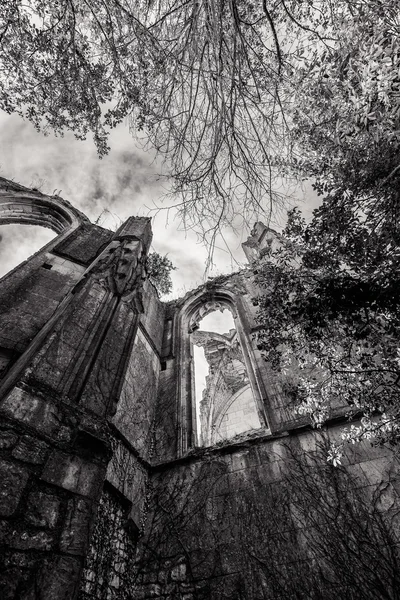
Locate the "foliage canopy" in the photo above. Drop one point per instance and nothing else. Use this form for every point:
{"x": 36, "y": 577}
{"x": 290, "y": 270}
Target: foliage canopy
{"x": 234, "y": 94}
{"x": 330, "y": 315}
{"x": 159, "y": 271}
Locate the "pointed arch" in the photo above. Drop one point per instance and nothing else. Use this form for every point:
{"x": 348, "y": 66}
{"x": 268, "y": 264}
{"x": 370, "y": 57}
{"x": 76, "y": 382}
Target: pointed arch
{"x": 194, "y": 309}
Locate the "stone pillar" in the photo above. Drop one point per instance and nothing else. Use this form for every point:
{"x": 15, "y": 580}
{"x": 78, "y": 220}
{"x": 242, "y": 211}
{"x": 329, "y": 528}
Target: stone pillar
{"x": 54, "y": 441}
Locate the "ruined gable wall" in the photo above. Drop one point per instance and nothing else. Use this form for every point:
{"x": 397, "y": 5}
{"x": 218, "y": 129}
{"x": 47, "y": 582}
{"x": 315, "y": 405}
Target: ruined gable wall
{"x": 270, "y": 518}
{"x": 58, "y": 399}
{"x": 31, "y": 292}
{"x": 175, "y": 405}
{"x": 263, "y": 515}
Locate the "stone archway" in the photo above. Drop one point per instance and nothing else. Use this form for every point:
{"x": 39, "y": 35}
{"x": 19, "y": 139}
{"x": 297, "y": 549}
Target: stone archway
{"x": 199, "y": 304}
{"x": 24, "y": 206}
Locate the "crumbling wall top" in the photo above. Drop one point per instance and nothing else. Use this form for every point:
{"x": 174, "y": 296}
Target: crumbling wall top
{"x": 19, "y": 204}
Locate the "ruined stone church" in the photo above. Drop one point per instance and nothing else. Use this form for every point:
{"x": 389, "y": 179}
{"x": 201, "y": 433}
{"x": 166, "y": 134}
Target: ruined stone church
{"x": 114, "y": 484}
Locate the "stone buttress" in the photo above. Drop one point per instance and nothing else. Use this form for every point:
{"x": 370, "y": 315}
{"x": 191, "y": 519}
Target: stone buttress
{"x": 69, "y": 318}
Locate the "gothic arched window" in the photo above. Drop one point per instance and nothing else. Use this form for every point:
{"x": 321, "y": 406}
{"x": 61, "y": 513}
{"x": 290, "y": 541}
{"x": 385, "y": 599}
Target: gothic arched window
{"x": 232, "y": 400}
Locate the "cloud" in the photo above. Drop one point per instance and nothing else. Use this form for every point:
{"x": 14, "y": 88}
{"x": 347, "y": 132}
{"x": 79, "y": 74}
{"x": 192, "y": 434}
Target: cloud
{"x": 126, "y": 182}
{"x": 16, "y": 246}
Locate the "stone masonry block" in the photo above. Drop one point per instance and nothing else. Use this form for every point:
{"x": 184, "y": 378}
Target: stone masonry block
{"x": 4, "y": 531}
{"x": 376, "y": 471}
{"x": 358, "y": 475}
{"x": 73, "y": 473}
{"x": 272, "y": 451}
{"x": 31, "y": 450}
{"x": 243, "y": 479}
{"x": 9, "y": 581}
{"x": 252, "y": 457}
{"x": 269, "y": 472}
{"x": 39, "y": 540}
{"x": 27, "y": 408}
{"x": 386, "y": 498}
{"x": 8, "y": 439}
{"x": 365, "y": 451}
{"x": 43, "y": 510}
{"x": 74, "y": 538}
{"x": 178, "y": 573}
{"x": 13, "y": 479}
{"x": 57, "y": 580}
{"x": 309, "y": 442}
{"x": 239, "y": 461}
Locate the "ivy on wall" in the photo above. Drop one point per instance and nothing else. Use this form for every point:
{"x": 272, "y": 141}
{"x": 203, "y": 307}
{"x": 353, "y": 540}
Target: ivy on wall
{"x": 107, "y": 570}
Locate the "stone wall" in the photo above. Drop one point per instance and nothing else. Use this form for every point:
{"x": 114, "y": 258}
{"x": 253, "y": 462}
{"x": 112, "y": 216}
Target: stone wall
{"x": 31, "y": 293}
{"x": 52, "y": 468}
{"x": 107, "y": 574}
{"x": 272, "y": 519}
{"x": 70, "y": 317}
{"x": 97, "y": 440}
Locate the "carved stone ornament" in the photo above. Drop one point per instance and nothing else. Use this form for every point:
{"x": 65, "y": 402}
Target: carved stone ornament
{"x": 121, "y": 270}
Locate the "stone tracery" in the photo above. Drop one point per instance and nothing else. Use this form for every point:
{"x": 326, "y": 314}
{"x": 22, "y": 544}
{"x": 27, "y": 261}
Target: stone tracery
{"x": 227, "y": 406}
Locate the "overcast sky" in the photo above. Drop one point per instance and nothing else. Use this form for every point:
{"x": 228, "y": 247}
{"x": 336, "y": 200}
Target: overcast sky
{"x": 124, "y": 183}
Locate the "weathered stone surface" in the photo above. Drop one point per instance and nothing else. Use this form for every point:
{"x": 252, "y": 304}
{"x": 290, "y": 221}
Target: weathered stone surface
{"x": 21, "y": 559}
{"x": 153, "y": 315}
{"x": 74, "y": 538}
{"x": 29, "y": 300}
{"x": 64, "y": 434}
{"x": 73, "y": 473}
{"x": 128, "y": 476}
{"x": 152, "y": 590}
{"x": 57, "y": 580}
{"x": 42, "y": 510}
{"x": 178, "y": 573}
{"x": 60, "y": 362}
{"x": 36, "y": 412}
{"x": 84, "y": 243}
{"x": 376, "y": 470}
{"x": 8, "y": 439}
{"x": 9, "y": 581}
{"x": 135, "y": 409}
{"x": 31, "y": 450}
{"x": 13, "y": 479}
{"x": 15, "y": 570}
{"x": 386, "y": 497}
{"x": 39, "y": 540}
{"x": 5, "y": 527}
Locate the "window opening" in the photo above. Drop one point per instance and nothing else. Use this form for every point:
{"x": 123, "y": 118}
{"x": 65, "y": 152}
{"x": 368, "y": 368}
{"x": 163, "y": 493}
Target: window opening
{"x": 225, "y": 405}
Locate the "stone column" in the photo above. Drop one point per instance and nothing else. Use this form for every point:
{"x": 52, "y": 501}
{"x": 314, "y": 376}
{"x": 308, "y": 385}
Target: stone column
{"x": 54, "y": 442}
